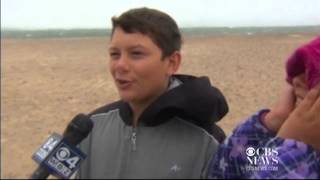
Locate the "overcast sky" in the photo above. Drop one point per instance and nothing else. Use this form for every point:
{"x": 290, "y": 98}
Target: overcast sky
{"x": 43, "y": 14}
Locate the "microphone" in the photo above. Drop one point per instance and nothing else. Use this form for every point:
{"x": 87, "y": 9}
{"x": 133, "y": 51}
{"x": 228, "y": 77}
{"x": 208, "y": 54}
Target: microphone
{"x": 58, "y": 155}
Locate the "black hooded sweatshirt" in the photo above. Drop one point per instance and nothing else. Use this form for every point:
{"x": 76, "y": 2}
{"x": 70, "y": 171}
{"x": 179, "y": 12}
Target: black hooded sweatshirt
{"x": 173, "y": 138}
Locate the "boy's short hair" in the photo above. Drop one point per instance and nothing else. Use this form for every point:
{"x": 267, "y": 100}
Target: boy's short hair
{"x": 160, "y": 27}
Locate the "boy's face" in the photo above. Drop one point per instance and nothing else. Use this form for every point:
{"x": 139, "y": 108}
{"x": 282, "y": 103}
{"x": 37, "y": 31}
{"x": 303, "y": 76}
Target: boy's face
{"x": 299, "y": 84}
{"x": 136, "y": 66}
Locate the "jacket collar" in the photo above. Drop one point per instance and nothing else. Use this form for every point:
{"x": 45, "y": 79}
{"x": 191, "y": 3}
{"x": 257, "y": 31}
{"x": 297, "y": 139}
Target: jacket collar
{"x": 191, "y": 98}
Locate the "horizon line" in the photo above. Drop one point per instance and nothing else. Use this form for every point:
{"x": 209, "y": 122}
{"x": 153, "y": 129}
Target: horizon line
{"x": 182, "y": 27}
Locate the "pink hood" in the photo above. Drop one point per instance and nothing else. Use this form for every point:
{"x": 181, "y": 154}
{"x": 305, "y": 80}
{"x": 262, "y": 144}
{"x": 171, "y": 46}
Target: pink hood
{"x": 305, "y": 59}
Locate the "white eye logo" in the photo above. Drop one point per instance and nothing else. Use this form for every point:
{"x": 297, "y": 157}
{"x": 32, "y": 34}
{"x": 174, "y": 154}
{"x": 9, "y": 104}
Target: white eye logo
{"x": 63, "y": 154}
{"x": 250, "y": 151}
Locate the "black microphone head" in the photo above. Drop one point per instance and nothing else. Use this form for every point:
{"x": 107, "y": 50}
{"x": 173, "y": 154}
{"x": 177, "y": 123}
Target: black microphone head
{"x": 78, "y": 129}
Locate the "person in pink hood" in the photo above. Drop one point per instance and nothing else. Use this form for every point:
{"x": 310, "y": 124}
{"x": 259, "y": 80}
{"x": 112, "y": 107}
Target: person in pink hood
{"x": 305, "y": 60}
{"x": 282, "y": 142}
{"x": 303, "y": 68}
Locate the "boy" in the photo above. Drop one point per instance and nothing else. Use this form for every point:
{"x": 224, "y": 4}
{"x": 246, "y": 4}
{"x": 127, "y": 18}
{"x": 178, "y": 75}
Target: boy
{"x": 161, "y": 126}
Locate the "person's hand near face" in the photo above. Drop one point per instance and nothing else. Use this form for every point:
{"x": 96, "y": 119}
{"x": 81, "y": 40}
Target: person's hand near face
{"x": 289, "y": 99}
{"x": 297, "y": 113}
{"x": 281, "y": 110}
{"x": 303, "y": 123}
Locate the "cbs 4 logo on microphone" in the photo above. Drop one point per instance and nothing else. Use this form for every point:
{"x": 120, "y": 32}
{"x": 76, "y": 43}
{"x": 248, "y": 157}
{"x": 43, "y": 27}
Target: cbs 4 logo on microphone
{"x": 59, "y": 157}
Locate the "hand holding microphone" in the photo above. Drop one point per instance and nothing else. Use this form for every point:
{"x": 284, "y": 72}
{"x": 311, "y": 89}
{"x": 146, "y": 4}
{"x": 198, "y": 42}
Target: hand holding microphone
{"x": 58, "y": 155}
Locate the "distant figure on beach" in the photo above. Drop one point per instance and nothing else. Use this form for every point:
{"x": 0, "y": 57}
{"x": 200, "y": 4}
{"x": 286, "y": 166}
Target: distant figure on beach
{"x": 162, "y": 126}
{"x": 284, "y": 142}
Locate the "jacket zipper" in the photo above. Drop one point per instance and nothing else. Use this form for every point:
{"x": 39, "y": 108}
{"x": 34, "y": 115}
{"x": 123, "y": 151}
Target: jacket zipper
{"x": 134, "y": 139}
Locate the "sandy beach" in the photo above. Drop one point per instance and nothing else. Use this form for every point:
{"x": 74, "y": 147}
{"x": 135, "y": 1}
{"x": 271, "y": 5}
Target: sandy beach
{"x": 46, "y": 82}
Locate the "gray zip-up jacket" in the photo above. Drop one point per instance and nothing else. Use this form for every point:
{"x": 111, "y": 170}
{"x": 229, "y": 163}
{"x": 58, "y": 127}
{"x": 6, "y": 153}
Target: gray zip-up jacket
{"x": 172, "y": 140}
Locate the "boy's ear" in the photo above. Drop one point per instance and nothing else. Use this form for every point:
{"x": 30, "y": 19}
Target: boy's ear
{"x": 174, "y": 62}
